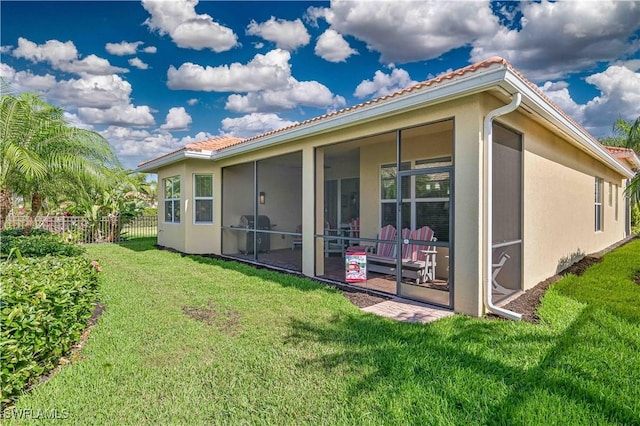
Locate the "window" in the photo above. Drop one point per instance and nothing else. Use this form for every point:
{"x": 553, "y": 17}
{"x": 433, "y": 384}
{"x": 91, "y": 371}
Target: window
{"x": 425, "y": 198}
{"x": 598, "y": 204}
{"x": 610, "y": 194}
{"x": 203, "y": 198}
{"x": 616, "y": 209}
{"x": 172, "y": 199}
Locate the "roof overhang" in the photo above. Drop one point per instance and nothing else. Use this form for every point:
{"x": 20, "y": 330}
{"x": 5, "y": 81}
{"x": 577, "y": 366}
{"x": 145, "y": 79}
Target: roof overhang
{"x": 494, "y": 76}
{"x": 153, "y": 165}
{"x": 573, "y": 132}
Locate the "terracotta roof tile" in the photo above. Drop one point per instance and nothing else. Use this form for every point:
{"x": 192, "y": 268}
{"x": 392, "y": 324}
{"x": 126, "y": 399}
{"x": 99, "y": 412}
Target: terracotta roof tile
{"x": 206, "y": 145}
{"x": 225, "y": 142}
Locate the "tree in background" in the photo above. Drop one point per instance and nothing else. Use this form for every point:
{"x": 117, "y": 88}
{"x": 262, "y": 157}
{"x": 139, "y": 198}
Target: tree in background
{"x": 107, "y": 208}
{"x": 42, "y": 157}
{"x": 626, "y": 134}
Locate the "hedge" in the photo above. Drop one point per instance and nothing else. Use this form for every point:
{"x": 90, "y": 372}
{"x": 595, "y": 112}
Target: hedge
{"x": 38, "y": 245}
{"x": 44, "y": 307}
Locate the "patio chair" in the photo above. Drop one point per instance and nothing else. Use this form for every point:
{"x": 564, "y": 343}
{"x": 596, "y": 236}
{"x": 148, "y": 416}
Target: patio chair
{"x": 418, "y": 260}
{"x": 422, "y": 256}
{"x": 297, "y": 239}
{"x": 497, "y": 267}
{"x": 332, "y": 245}
{"x": 354, "y": 230}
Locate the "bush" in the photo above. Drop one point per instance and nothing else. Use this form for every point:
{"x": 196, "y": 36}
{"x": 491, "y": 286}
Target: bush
{"x": 39, "y": 245}
{"x": 18, "y": 232}
{"x": 150, "y": 211}
{"x": 44, "y": 306}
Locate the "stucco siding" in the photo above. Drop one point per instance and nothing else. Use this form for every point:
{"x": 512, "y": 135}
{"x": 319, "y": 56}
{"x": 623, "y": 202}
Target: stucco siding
{"x": 172, "y": 234}
{"x": 559, "y": 200}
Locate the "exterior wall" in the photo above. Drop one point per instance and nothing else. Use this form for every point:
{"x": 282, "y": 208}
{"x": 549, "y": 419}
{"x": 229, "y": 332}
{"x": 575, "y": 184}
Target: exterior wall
{"x": 558, "y": 197}
{"x": 172, "y": 234}
{"x": 198, "y": 237}
{"x": 558, "y": 194}
{"x": 467, "y": 225}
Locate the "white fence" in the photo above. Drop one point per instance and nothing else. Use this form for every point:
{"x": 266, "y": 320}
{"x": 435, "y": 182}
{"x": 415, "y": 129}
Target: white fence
{"x": 82, "y": 230}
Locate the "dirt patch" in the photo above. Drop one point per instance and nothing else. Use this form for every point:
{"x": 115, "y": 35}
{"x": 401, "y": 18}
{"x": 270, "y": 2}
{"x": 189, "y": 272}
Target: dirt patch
{"x": 225, "y": 320}
{"x": 363, "y": 300}
{"x": 581, "y": 266}
{"x": 636, "y": 278}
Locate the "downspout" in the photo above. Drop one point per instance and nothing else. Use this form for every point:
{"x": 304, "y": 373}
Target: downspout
{"x": 488, "y": 139}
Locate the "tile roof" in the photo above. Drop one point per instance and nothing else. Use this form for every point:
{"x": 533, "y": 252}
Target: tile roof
{"x": 225, "y": 142}
{"x": 212, "y": 144}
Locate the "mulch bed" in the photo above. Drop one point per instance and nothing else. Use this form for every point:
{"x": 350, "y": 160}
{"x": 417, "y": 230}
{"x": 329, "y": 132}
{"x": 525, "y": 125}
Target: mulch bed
{"x": 363, "y": 300}
{"x": 527, "y": 304}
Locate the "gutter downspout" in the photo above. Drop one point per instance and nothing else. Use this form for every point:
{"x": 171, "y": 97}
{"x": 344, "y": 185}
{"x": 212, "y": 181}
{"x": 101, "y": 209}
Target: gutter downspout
{"x": 488, "y": 140}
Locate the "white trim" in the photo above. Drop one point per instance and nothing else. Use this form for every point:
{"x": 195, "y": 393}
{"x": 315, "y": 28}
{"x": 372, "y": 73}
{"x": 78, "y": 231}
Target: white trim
{"x": 479, "y": 80}
{"x": 576, "y": 135}
{"x": 197, "y": 198}
{"x": 172, "y": 200}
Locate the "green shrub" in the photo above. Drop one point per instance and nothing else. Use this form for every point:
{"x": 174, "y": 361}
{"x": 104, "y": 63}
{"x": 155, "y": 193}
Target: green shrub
{"x": 44, "y": 306}
{"x": 39, "y": 245}
{"x": 18, "y": 232}
{"x": 150, "y": 211}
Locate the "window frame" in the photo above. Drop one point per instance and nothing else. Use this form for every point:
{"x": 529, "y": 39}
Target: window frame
{"x": 171, "y": 198}
{"x": 197, "y": 198}
{"x": 412, "y": 200}
{"x": 598, "y": 207}
{"x": 616, "y": 203}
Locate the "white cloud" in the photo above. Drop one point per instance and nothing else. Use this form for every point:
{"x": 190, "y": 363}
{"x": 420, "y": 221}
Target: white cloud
{"x": 138, "y": 63}
{"x": 287, "y": 35}
{"x": 7, "y": 72}
{"x": 199, "y": 137}
{"x": 258, "y": 45}
{"x": 383, "y": 84}
{"x": 52, "y": 51}
{"x": 120, "y": 115}
{"x": 92, "y": 91}
{"x": 619, "y": 88}
{"x": 90, "y": 65}
{"x": 307, "y": 93}
{"x": 177, "y": 119}
{"x": 192, "y": 101}
{"x": 332, "y": 47}
{"x": 64, "y": 57}
{"x": 24, "y": 81}
{"x": 313, "y": 14}
{"x": 123, "y": 48}
{"x": 186, "y": 28}
{"x": 253, "y": 124}
{"x": 134, "y": 145}
{"x": 6, "y": 49}
{"x": 407, "y": 31}
{"x": 104, "y": 99}
{"x": 559, "y": 38}
{"x": 75, "y": 121}
{"x": 150, "y": 49}
{"x": 270, "y": 71}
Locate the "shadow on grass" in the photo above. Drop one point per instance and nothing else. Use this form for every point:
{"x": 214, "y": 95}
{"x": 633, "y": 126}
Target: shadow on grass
{"x": 479, "y": 371}
{"x": 284, "y": 279}
{"x": 140, "y": 244}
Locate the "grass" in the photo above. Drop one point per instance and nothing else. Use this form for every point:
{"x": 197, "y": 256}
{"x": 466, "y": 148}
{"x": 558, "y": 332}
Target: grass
{"x": 188, "y": 340}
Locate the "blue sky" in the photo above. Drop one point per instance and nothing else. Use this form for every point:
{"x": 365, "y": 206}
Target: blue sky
{"x": 152, "y": 76}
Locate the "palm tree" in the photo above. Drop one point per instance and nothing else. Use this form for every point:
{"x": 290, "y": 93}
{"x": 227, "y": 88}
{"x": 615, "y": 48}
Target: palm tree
{"x": 41, "y": 154}
{"x": 632, "y": 141}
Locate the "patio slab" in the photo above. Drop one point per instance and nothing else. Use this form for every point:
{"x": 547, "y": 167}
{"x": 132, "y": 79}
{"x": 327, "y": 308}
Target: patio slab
{"x": 408, "y": 311}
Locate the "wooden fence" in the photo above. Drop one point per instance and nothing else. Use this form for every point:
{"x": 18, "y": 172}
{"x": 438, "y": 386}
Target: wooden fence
{"x": 82, "y": 230}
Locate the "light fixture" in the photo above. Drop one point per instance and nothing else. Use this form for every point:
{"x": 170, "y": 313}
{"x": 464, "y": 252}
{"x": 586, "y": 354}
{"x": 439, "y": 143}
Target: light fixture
{"x": 262, "y": 197}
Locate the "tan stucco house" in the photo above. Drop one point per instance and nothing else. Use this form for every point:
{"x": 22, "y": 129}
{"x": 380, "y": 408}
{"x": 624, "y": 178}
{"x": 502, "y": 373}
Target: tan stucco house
{"x": 512, "y": 189}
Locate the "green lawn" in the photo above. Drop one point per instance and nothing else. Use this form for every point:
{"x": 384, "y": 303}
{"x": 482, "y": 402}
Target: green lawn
{"x": 268, "y": 348}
